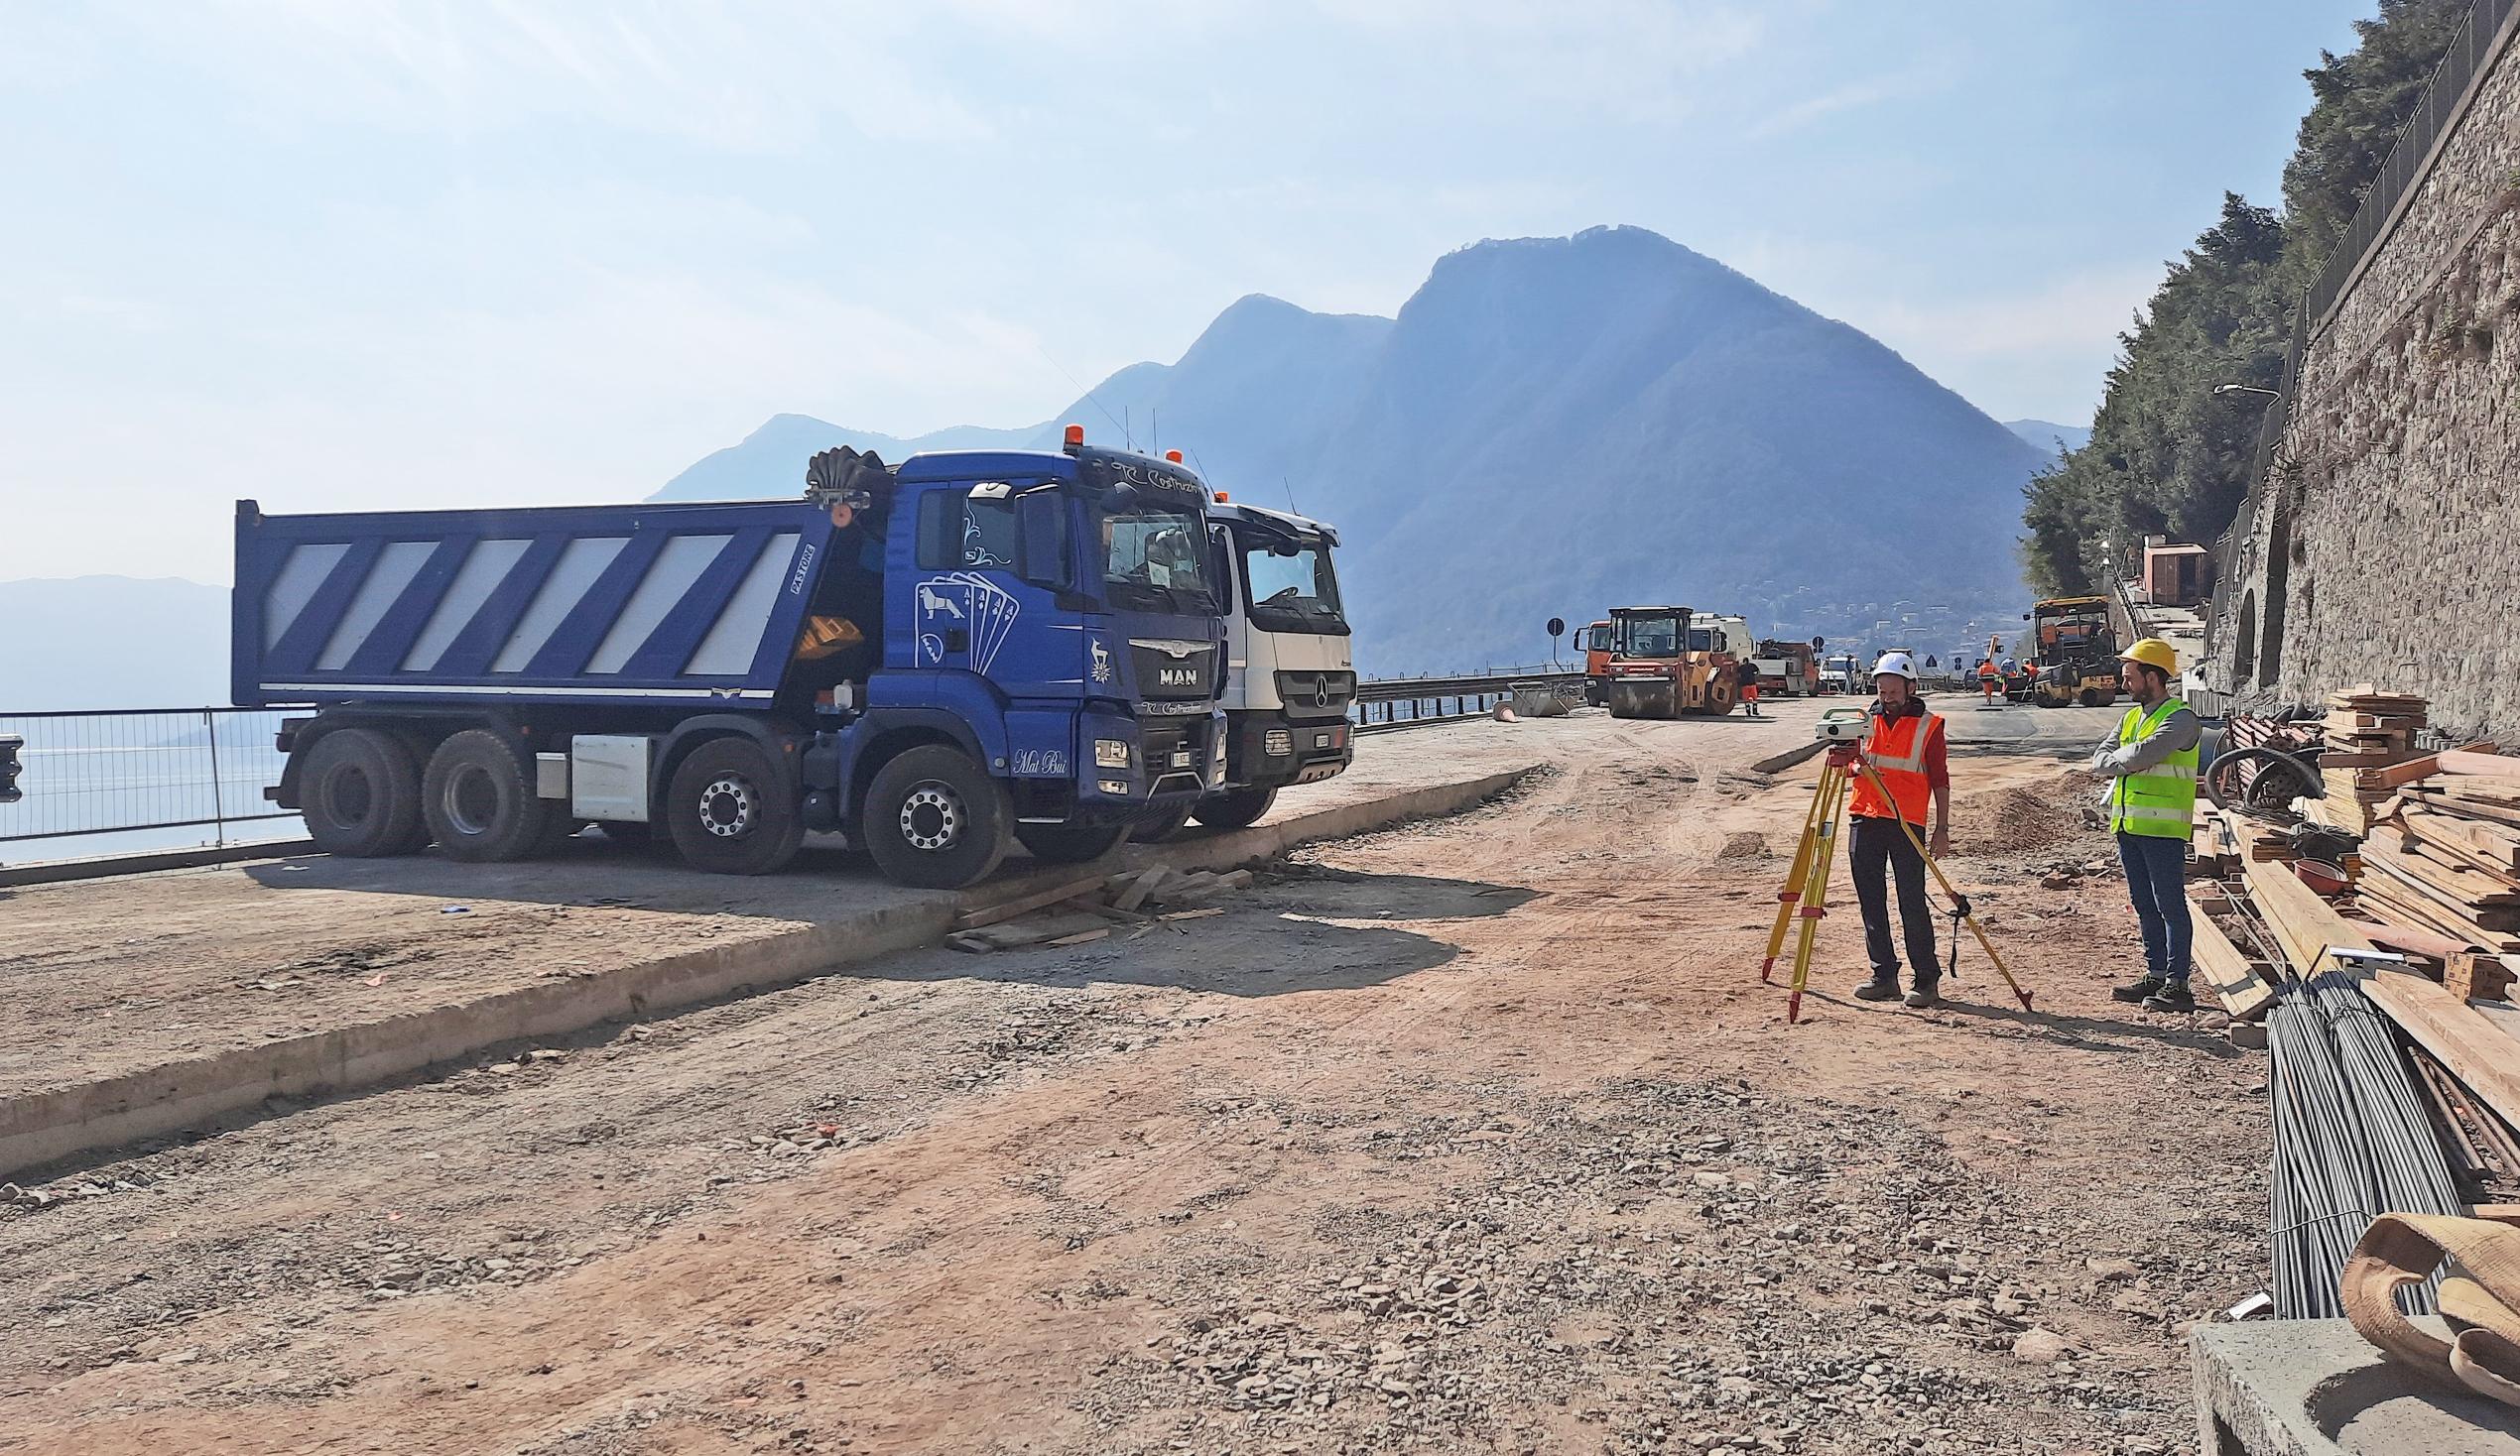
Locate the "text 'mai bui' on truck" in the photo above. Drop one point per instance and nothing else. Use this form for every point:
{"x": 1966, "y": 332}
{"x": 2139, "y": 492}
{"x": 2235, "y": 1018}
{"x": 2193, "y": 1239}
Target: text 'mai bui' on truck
{"x": 932, "y": 659}
{"x": 1290, "y": 677}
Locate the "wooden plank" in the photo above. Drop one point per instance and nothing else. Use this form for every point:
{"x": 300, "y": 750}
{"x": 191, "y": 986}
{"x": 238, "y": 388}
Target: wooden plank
{"x": 1140, "y": 887}
{"x": 1008, "y": 910}
{"x": 2458, "y": 1037}
{"x": 2483, "y": 765}
{"x": 2219, "y": 964}
{"x": 2305, "y": 925}
{"x": 2406, "y": 772}
{"x": 2415, "y": 940}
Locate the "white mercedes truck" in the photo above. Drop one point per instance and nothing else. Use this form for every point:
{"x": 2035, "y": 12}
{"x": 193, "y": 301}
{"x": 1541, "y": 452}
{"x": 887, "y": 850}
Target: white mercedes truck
{"x": 1290, "y": 677}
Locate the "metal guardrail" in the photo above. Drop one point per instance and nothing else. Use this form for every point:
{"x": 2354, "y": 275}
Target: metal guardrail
{"x": 142, "y": 772}
{"x": 1414, "y": 702}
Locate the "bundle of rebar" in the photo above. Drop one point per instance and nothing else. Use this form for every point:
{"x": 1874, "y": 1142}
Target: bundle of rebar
{"x": 2352, "y": 1140}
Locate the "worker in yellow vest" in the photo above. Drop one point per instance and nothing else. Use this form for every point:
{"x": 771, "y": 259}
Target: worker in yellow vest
{"x": 2150, "y": 764}
{"x": 1906, "y": 747}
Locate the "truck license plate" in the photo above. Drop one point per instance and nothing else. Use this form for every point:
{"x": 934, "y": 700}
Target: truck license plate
{"x": 1181, "y": 758}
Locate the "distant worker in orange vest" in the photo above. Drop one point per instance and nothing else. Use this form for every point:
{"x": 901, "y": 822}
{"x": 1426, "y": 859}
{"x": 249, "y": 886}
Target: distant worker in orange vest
{"x": 1905, "y": 745}
{"x": 1988, "y": 677}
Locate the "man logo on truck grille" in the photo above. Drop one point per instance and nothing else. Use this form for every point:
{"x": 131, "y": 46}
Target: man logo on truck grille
{"x": 1176, "y": 676}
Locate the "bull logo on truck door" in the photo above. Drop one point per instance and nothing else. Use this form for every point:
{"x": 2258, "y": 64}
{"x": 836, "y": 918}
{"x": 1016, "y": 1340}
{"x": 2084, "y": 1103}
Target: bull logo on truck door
{"x": 976, "y": 608}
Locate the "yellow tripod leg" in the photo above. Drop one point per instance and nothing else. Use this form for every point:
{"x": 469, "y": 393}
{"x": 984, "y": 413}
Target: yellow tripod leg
{"x": 1959, "y": 900}
{"x": 1792, "y": 894}
{"x": 1814, "y": 900}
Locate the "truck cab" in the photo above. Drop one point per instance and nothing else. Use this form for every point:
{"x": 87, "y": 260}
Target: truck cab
{"x": 1290, "y": 676}
{"x": 1594, "y": 643}
{"x": 938, "y": 661}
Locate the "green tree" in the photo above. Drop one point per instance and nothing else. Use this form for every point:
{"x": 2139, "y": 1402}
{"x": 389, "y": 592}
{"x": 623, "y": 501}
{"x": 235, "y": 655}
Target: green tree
{"x": 2166, "y": 454}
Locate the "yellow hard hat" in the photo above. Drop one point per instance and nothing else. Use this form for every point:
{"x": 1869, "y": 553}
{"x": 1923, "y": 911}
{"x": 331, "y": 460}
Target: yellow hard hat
{"x": 2152, "y": 652}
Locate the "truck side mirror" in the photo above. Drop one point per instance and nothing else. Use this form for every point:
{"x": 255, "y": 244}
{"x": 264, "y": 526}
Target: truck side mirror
{"x": 1041, "y": 517}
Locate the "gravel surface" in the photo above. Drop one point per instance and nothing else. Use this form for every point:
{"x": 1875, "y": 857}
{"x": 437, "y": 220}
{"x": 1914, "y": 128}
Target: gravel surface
{"x": 1474, "y": 1135}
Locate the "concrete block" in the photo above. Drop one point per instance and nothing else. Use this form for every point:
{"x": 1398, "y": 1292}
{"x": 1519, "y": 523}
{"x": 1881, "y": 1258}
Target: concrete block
{"x": 2316, "y": 1388}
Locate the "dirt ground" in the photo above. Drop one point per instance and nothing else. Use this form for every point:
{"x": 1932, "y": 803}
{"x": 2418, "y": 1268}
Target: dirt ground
{"x": 1478, "y": 1135}
{"x": 105, "y": 977}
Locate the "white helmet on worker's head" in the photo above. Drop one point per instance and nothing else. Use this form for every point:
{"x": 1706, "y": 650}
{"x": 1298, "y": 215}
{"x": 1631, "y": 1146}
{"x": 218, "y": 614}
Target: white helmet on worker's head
{"x": 1898, "y": 664}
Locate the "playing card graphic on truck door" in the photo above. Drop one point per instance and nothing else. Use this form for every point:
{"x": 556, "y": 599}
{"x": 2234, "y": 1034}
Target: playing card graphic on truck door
{"x": 969, "y": 610}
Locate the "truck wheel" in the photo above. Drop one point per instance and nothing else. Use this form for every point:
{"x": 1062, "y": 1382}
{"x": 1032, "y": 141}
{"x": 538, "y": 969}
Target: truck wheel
{"x": 1156, "y": 831}
{"x": 731, "y": 811}
{"x": 934, "y": 821}
{"x": 1235, "y": 808}
{"x": 360, "y": 793}
{"x": 479, "y": 797}
{"x": 1071, "y": 844}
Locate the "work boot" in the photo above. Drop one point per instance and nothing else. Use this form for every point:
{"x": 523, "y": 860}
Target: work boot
{"x": 1879, "y": 988}
{"x": 2138, "y": 989}
{"x": 2173, "y": 995}
{"x": 1926, "y": 994}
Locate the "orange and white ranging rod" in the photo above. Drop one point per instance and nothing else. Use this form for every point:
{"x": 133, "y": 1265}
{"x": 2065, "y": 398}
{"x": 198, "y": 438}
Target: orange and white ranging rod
{"x": 1806, "y": 892}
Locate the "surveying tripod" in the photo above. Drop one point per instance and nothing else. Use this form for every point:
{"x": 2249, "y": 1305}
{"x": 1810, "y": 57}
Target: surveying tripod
{"x": 1806, "y": 892}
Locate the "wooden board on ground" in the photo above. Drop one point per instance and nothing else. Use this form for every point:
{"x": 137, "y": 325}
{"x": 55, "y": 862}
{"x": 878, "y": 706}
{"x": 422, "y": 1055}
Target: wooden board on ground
{"x": 2224, "y": 969}
{"x": 1007, "y": 909}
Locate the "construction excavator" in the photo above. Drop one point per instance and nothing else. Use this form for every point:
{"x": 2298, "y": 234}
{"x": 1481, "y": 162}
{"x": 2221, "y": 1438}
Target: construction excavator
{"x": 1660, "y": 666}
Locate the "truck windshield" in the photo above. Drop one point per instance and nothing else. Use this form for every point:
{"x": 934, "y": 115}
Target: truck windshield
{"x": 1152, "y": 560}
{"x": 1648, "y": 636}
{"x": 1296, "y": 592}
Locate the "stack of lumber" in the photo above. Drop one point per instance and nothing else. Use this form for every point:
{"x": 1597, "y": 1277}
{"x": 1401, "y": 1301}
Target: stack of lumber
{"x": 1089, "y": 908}
{"x": 2367, "y": 733}
{"x": 2444, "y": 852}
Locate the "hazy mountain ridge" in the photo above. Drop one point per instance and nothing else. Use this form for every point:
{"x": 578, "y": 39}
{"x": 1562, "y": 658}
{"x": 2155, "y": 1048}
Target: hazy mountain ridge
{"x": 2049, "y": 437}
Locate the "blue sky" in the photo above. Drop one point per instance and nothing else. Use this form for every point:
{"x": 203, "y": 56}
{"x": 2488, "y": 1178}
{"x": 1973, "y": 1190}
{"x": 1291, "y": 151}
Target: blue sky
{"x": 358, "y": 254}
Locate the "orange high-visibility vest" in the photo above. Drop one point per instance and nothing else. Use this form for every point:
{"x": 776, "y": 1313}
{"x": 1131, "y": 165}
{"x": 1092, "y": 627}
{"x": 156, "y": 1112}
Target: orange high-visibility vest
{"x": 1896, "y": 748}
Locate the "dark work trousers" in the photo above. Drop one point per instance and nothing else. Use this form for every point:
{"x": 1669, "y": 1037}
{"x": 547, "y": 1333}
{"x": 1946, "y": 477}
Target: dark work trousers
{"x": 2156, "y": 881}
{"x": 1879, "y": 844}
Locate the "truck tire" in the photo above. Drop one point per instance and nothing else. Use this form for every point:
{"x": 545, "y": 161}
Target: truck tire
{"x": 935, "y": 821}
{"x": 361, "y": 791}
{"x": 478, "y": 798}
{"x": 1071, "y": 844}
{"x": 731, "y": 811}
{"x": 1235, "y": 808}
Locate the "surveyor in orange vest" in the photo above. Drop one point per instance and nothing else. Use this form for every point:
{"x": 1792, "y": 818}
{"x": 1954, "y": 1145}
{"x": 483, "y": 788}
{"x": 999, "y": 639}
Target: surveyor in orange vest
{"x": 1988, "y": 677}
{"x": 1906, "y": 748}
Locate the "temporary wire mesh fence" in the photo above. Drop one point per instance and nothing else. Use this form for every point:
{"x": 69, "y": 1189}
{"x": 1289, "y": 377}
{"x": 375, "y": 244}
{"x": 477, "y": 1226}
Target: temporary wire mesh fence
{"x": 174, "y": 775}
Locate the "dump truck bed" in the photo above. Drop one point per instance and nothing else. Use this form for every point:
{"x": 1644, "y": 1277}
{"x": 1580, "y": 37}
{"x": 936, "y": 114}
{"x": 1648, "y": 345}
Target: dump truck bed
{"x": 658, "y": 605}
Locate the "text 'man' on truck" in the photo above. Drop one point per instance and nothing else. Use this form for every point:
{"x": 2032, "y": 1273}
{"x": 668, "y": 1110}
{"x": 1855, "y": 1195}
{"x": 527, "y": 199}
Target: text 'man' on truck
{"x": 935, "y": 660}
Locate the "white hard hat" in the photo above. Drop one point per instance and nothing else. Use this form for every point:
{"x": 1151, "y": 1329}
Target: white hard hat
{"x": 1897, "y": 662}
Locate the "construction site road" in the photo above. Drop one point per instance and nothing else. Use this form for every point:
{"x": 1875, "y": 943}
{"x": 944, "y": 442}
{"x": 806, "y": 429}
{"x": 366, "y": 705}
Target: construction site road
{"x": 1479, "y": 1134}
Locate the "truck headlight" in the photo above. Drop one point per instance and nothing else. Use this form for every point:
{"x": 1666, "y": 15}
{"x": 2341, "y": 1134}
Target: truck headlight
{"x": 1276, "y": 743}
{"x": 1111, "y": 753}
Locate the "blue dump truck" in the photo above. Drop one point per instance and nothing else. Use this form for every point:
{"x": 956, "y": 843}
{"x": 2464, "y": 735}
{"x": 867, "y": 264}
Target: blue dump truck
{"x": 934, "y": 660}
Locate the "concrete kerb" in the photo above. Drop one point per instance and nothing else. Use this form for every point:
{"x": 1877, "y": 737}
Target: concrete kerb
{"x": 43, "y": 1127}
